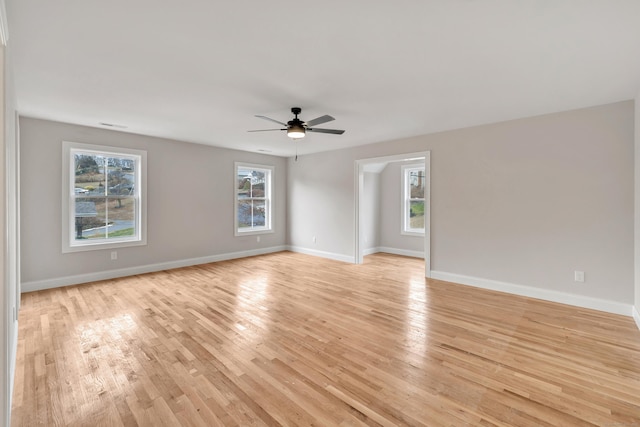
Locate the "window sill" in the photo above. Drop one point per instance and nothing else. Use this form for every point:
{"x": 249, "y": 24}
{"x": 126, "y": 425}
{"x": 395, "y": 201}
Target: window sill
{"x": 412, "y": 233}
{"x": 102, "y": 246}
{"x": 253, "y": 232}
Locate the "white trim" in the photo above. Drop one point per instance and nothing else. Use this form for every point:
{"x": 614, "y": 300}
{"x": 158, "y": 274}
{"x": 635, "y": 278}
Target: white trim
{"x": 322, "y": 254}
{"x": 358, "y": 192}
{"x": 4, "y": 28}
{"x": 69, "y": 244}
{"x": 8, "y": 326}
{"x": 18, "y": 216}
{"x": 370, "y": 251}
{"x": 406, "y": 197}
{"x": 427, "y": 218}
{"x": 12, "y": 240}
{"x": 403, "y": 252}
{"x": 39, "y": 285}
{"x": 14, "y": 358}
{"x": 636, "y": 316}
{"x": 394, "y": 251}
{"x": 269, "y": 200}
{"x": 531, "y": 292}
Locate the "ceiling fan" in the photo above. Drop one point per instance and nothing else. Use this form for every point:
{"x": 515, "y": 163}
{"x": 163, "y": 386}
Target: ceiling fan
{"x": 297, "y": 128}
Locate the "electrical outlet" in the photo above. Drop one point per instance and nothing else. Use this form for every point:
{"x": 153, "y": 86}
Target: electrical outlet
{"x": 258, "y": 239}
{"x": 578, "y": 276}
{"x": 114, "y": 255}
{"x": 314, "y": 239}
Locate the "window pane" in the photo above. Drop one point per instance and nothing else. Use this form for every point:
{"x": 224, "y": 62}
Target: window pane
{"x": 416, "y": 180}
{"x": 90, "y": 216}
{"x": 124, "y": 164}
{"x": 120, "y": 176}
{"x": 243, "y": 187}
{"x": 257, "y": 184}
{"x": 88, "y": 174}
{"x": 416, "y": 214}
{"x": 244, "y": 213}
{"x": 259, "y": 210}
{"x": 122, "y": 216}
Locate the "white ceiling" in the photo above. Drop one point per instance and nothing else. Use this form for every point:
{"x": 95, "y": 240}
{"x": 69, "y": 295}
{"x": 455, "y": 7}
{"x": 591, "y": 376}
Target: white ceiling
{"x": 199, "y": 70}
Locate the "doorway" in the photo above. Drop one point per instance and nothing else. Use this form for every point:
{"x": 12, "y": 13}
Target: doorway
{"x": 378, "y": 163}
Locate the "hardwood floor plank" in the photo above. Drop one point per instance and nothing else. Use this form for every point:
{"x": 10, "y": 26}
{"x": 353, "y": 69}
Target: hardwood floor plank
{"x": 289, "y": 339}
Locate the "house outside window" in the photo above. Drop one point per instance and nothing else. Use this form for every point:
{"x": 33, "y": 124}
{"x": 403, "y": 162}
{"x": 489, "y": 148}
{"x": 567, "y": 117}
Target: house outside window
{"x": 413, "y": 186}
{"x": 253, "y": 199}
{"x": 104, "y": 202}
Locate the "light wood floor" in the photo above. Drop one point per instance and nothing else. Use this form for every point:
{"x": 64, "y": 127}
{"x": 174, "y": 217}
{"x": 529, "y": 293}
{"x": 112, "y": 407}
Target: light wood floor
{"x": 289, "y": 339}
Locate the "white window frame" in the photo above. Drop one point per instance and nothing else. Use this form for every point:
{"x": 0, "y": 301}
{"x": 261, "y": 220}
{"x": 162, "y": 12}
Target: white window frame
{"x": 406, "y": 200}
{"x": 268, "y": 227}
{"x": 69, "y": 243}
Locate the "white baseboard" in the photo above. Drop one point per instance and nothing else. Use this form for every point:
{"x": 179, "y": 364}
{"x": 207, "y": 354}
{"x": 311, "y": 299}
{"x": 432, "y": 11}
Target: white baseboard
{"x": 322, "y": 254}
{"x": 403, "y": 252}
{"x": 150, "y": 268}
{"x": 370, "y": 251}
{"x": 543, "y": 294}
{"x": 12, "y": 362}
{"x": 365, "y": 252}
{"x": 394, "y": 251}
{"x": 636, "y": 316}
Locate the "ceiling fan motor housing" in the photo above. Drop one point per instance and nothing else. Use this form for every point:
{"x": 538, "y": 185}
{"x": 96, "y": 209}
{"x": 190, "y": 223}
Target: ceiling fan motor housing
{"x": 296, "y": 126}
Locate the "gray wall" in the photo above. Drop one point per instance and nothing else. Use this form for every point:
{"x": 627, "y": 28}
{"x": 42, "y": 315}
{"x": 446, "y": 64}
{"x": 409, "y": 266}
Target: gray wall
{"x": 525, "y": 202}
{"x": 391, "y": 211}
{"x": 321, "y": 196}
{"x": 371, "y": 211}
{"x": 189, "y": 211}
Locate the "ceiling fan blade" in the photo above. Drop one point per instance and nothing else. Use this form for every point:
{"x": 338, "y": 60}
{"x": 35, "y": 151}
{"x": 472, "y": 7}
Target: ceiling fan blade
{"x": 263, "y": 130}
{"x": 320, "y": 120}
{"x": 333, "y": 131}
{"x": 272, "y": 120}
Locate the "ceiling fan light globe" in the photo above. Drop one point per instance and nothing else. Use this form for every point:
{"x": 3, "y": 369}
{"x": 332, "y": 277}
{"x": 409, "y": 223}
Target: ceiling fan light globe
{"x": 296, "y": 132}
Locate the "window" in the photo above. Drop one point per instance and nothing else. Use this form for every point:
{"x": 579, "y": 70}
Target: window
{"x": 413, "y": 184}
{"x": 253, "y": 199}
{"x": 103, "y": 191}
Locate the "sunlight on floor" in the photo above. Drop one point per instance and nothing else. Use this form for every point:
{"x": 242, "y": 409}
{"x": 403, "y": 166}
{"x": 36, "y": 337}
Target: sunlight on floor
{"x": 251, "y": 307}
{"x": 417, "y": 320}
